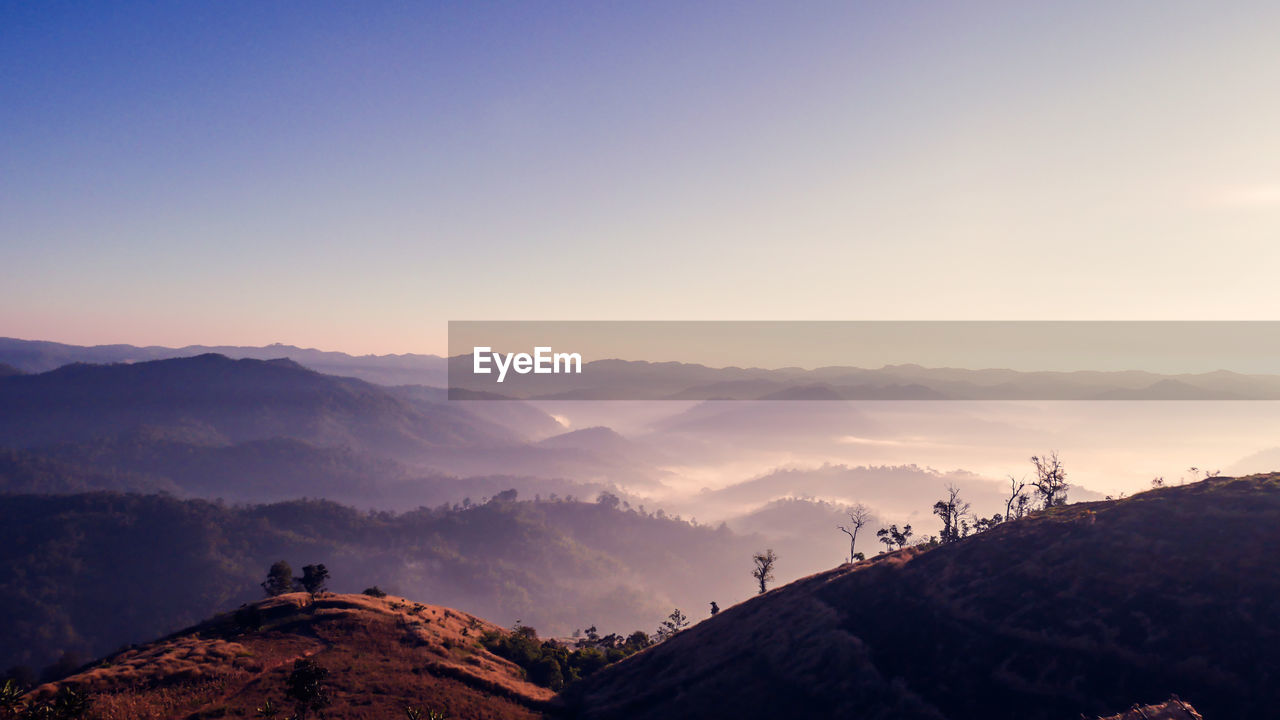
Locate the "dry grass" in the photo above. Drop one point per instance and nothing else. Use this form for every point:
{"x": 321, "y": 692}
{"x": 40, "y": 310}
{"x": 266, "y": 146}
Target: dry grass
{"x": 383, "y": 654}
{"x": 1080, "y": 610}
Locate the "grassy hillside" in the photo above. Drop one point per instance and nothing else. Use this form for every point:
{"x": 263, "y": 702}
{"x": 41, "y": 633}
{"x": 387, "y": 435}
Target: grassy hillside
{"x": 382, "y": 657}
{"x": 1081, "y": 610}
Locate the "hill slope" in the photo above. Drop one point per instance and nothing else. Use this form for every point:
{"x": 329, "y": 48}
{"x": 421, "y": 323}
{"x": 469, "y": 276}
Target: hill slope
{"x": 215, "y": 400}
{"x": 382, "y": 654}
{"x": 1082, "y": 610}
{"x": 86, "y": 573}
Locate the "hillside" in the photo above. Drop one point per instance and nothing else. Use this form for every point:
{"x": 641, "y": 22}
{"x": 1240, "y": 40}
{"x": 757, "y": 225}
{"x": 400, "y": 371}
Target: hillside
{"x": 214, "y": 400}
{"x": 270, "y": 430}
{"x": 383, "y": 655}
{"x": 1082, "y": 610}
{"x": 87, "y": 573}
{"x": 38, "y": 356}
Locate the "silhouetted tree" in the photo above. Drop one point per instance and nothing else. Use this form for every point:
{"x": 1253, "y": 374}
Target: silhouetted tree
{"x": 893, "y": 538}
{"x": 763, "y": 571}
{"x": 608, "y": 500}
{"x": 506, "y": 496}
{"x": 1017, "y": 500}
{"x": 858, "y": 516}
{"x": 314, "y": 578}
{"x": 951, "y": 510}
{"x": 1051, "y": 480}
{"x": 674, "y": 623}
{"x": 279, "y": 579}
{"x": 637, "y": 641}
{"x": 715, "y": 609}
{"x": 306, "y": 688}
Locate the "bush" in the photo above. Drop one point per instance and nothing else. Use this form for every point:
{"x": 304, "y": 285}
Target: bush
{"x": 375, "y": 591}
{"x": 553, "y": 665}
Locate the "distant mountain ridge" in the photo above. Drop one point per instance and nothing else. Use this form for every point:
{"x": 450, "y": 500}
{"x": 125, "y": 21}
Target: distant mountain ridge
{"x": 35, "y": 356}
{"x": 230, "y": 401}
{"x": 614, "y": 379}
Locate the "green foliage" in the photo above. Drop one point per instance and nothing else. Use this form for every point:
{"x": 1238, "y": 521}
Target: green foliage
{"x": 314, "y": 578}
{"x": 279, "y": 579}
{"x": 552, "y": 665}
{"x": 11, "y": 698}
{"x": 306, "y": 687}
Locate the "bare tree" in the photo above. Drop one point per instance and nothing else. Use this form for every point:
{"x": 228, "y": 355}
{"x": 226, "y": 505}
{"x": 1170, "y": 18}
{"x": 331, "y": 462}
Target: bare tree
{"x": 858, "y": 516}
{"x": 763, "y": 571}
{"x": 1017, "y": 501}
{"x": 952, "y": 512}
{"x": 1051, "y": 480}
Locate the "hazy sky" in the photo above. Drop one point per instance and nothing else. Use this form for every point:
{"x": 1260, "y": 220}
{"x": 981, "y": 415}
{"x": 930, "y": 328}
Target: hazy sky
{"x": 353, "y": 176}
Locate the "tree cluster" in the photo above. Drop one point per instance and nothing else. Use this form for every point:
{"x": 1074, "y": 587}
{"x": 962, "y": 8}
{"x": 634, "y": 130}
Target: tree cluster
{"x": 552, "y": 664}
{"x": 280, "y": 579}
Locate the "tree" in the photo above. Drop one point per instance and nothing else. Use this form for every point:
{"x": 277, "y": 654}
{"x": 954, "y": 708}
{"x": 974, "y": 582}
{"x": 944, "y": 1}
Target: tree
{"x": 858, "y": 516}
{"x": 763, "y": 571}
{"x": 715, "y": 609}
{"x": 279, "y": 579}
{"x": 893, "y": 538}
{"x": 674, "y": 623}
{"x": 951, "y": 511}
{"x": 506, "y": 496}
{"x": 1051, "y": 480}
{"x": 314, "y": 578}
{"x": 1017, "y": 500}
{"x": 306, "y": 688}
{"x": 608, "y": 501}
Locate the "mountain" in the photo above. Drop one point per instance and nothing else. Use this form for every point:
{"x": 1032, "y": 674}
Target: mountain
{"x": 36, "y": 356}
{"x": 614, "y": 379}
{"x": 263, "y": 430}
{"x": 228, "y": 401}
{"x": 1078, "y": 611}
{"x": 86, "y": 573}
{"x": 382, "y": 656}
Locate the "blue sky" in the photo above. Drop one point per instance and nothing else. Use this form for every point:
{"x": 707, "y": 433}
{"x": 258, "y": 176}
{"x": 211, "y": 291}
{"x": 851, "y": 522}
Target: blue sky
{"x": 351, "y": 176}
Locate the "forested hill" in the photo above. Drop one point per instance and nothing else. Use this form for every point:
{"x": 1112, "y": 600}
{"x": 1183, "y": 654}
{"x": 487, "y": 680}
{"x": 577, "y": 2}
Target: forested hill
{"x": 87, "y": 573}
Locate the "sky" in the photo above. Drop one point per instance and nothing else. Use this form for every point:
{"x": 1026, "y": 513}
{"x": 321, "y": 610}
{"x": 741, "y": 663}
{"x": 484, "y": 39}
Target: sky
{"x": 353, "y": 176}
